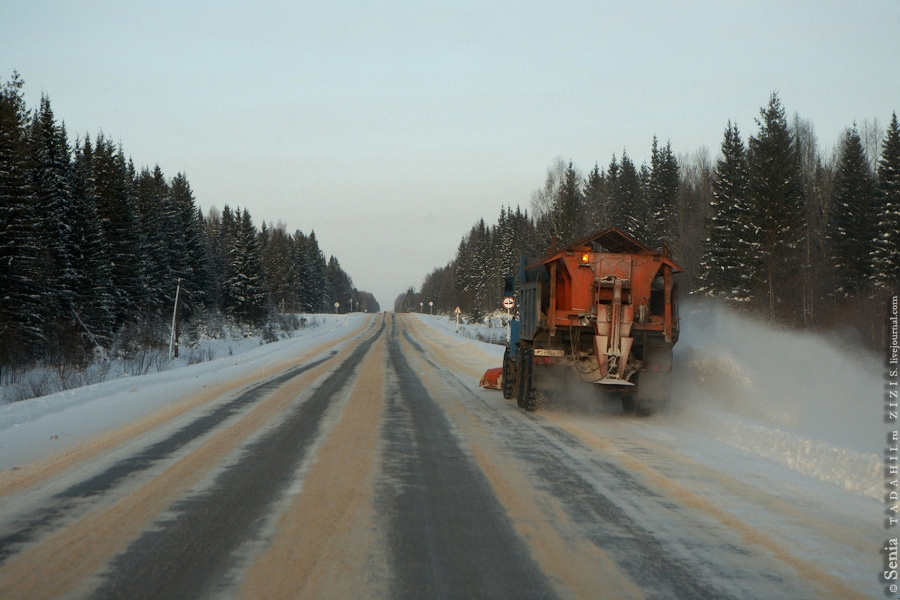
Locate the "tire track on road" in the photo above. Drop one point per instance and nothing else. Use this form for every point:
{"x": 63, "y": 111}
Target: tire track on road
{"x": 635, "y": 549}
{"x": 15, "y": 480}
{"x": 187, "y": 556}
{"x": 65, "y": 503}
{"x": 656, "y": 558}
{"x": 327, "y": 544}
{"x": 448, "y": 535}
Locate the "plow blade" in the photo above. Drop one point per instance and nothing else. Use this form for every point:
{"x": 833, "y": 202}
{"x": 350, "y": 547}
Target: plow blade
{"x": 492, "y": 379}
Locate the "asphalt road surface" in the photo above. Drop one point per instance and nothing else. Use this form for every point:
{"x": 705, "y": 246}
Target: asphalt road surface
{"x": 376, "y": 468}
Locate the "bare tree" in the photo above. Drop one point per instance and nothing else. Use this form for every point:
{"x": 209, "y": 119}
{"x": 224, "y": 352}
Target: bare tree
{"x": 871, "y": 134}
{"x": 694, "y": 200}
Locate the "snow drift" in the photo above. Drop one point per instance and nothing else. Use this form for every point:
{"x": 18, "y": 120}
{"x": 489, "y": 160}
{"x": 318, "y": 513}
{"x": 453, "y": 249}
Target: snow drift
{"x": 800, "y": 399}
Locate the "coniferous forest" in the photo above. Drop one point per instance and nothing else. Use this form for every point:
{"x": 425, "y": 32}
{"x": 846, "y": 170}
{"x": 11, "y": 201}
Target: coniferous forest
{"x": 93, "y": 249}
{"x": 774, "y": 225}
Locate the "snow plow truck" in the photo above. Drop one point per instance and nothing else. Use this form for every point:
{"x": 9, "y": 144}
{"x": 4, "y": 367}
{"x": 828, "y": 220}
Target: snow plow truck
{"x": 602, "y": 310}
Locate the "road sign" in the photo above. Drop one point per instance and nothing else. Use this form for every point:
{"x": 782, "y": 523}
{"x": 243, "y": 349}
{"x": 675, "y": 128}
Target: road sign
{"x": 457, "y": 311}
{"x": 508, "y": 303}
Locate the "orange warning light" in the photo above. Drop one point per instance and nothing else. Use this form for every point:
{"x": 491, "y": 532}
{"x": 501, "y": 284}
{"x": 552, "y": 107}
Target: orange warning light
{"x": 585, "y": 257}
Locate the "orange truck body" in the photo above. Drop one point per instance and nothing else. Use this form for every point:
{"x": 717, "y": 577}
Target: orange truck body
{"x": 605, "y": 307}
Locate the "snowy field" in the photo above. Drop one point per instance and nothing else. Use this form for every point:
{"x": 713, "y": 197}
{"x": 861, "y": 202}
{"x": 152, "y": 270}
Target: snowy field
{"x": 35, "y": 428}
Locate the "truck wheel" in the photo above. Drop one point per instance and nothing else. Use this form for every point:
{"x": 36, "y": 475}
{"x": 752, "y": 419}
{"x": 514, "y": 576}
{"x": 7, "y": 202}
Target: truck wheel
{"x": 509, "y": 377}
{"x": 526, "y": 398}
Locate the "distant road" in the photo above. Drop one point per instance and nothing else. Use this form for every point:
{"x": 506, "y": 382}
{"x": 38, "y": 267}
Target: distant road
{"x": 376, "y": 468}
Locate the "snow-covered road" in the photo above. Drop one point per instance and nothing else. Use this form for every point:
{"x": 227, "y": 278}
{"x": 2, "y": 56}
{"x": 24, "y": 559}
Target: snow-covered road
{"x": 367, "y": 463}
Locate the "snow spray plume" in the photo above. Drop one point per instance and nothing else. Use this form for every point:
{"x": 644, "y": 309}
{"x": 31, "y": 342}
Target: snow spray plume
{"x": 796, "y": 397}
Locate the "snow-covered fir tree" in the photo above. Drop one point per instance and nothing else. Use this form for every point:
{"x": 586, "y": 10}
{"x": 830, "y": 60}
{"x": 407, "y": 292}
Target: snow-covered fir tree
{"x": 52, "y": 183}
{"x": 244, "y": 293}
{"x": 152, "y": 193}
{"x": 21, "y": 300}
{"x": 886, "y": 255}
{"x": 119, "y": 218}
{"x": 595, "y": 201}
{"x": 631, "y": 196}
{"x": 777, "y": 209}
{"x": 615, "y": 211}
{"x": 94, "y": 291}
{"x": 850, "y": 227}
{"x": 662, "y": 194}
{"x": 728, "y": 248}
{"x": 193, "y": 268}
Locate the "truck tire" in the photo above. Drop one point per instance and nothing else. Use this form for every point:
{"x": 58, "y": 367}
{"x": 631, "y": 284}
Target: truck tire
{"x": 509, "y": 377}
{"x": 526, "y": 398}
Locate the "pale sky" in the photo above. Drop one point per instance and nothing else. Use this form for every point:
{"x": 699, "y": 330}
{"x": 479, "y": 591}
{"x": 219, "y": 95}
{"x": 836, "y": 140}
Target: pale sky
{"x": 390, "y": 128}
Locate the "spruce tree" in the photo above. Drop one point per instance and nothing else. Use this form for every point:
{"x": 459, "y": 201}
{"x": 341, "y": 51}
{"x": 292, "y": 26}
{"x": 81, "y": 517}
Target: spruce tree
{"x": 277, "y": 260}
{"x": 117, "y": 206}
{"x": 152, "y": 191}
{"x": 191, "y": 267}
{"x": 52, "y": 183}
{"x": 221, "y": 229}
{"x": 568, "y": 208}
{"x": 886, "y": 256}
{"x": 339, "y": 285}
{"x": 633, "y": 207}
{"x": 850, "y": 227}
{"x": 244, "y": 291}
{"x": 662, "y": 198}
{"x": 615, "y": 210}
{"x": 595, "y": 201}
{"x": 94, "y": 291}
{"x": 728, "y": 249}
{"x": 777, "y": 208}
{"x": 313, "y": 278}
{"x": 21, "y": 309}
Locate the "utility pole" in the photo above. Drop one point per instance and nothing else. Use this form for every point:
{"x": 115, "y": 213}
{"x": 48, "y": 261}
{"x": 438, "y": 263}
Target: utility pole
{"x": 172, "y": 345}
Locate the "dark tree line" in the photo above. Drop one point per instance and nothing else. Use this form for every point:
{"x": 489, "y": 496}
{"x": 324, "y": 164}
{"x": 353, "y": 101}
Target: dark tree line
{"x": 90, "y": 245}
{"x": 773, "y": 225}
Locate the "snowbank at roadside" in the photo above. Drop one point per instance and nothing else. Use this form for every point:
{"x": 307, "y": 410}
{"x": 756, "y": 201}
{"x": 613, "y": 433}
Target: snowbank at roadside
{"x": 491, "y": 330}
